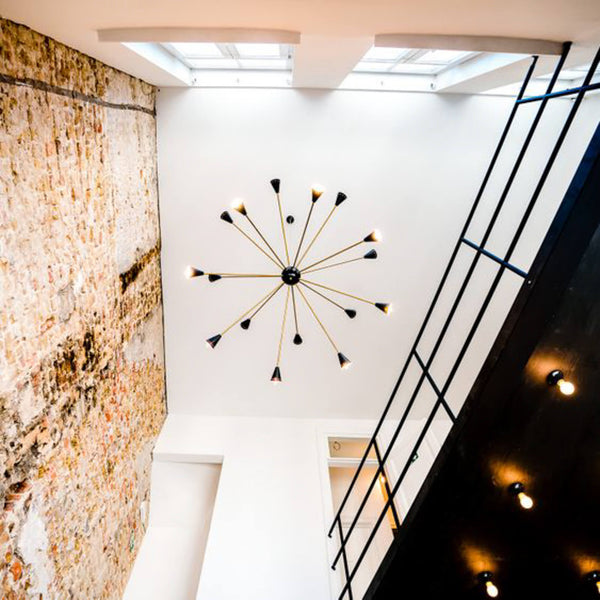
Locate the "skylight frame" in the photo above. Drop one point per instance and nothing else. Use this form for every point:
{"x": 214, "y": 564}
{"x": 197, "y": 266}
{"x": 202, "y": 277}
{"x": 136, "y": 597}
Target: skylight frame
{"x": 411, "y": 56}
{"x": 231, "y": 59}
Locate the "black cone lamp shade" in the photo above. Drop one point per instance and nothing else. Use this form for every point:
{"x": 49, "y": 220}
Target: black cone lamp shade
{"x": 344, "y": 361}
{"x": 383, "y": 307}
{"x": 226, "y": 217}
{"x": 193, "y": 272}
{"x": 276, "y": 377}
{"x": 289, "y": 272}
{"x": 340, "y": 198}
{"x": 214, "y": 340}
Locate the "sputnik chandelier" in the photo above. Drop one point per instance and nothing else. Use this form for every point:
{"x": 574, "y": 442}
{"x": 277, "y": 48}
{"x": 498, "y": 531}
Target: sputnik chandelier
{"x": 292, "y": 274}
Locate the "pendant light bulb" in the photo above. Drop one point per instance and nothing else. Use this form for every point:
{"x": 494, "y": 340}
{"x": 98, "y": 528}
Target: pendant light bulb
{"x": 275, "y": 183}
{"x": 371, "y": 254}
{"x": 193, "y": 272}
{"x": 518, "y": 489}
{"x": 491, "y": 589}
{"x": 317, "y": 191}
{"x": 211, "y": 342}
{"x": 557, "y": 378}
{"x": 238, "y": 205}
{"x": 225, "y": 216}
{"x": 345, "y": 362}
{"x": 384, "y": 307}
{"x": 350, "y": 312}
{"x": 276, "y": 377}
{"x": 374, "y": 236}
{"x": 485, "y": 577}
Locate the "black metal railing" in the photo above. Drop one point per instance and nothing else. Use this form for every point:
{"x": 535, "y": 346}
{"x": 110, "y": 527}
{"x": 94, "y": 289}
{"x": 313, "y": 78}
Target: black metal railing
{"x": 503, "y": 264}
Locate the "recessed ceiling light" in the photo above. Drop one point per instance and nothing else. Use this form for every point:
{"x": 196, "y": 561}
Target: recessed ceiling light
{"x": 384, "y": 53}
{"x": 258, "y": 50}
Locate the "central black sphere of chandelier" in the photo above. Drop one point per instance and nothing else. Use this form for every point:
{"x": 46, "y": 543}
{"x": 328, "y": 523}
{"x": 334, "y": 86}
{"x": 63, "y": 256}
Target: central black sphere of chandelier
{"x": 293, "y": 276}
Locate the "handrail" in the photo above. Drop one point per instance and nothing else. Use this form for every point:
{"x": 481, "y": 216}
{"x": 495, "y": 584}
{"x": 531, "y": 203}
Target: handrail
{"x": 504, "y": 265}
{"x": 440, "y": 287}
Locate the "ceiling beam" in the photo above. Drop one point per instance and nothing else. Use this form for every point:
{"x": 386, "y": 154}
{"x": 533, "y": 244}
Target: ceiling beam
{"x": 488, "y": 72}
{"x": 324, "y": 62}
{"x": 473, "y": 43}
{"x": 218, "y": 35}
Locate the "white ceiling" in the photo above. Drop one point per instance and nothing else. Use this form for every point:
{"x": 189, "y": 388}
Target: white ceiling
{"x": 329, "y": 25}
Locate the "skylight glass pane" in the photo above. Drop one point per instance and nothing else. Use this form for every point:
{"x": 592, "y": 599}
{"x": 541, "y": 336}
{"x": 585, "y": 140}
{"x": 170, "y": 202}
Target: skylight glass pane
{"x": 416, "y": 69}
{"x": 385, "y": 53}
{"x": 197, "y": 49}
{"x": 258, "y": 50}
{"x": 213, "y": 63}
{"x": 263, "y": 63}
{"x": 373, "y": 67}
{"x": 442, "y": 57}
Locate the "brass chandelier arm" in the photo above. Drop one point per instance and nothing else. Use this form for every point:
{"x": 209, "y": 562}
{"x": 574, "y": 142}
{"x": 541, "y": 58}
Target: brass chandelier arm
{"x": 344, "y": 262}
{"x": 312, "y": 206}
{"x": 287, "y": 252}
{"x": 295, "y": 311}
{"x": 318, "y": 320}
{"x": 261, "y": 249}
{"x": 285, "y": 310}
{"x": 241, "y": 275}
{"x": 317, "y": 235}
{"x": 335, "y": 254}
{"x": 323, "y": 296}
{"x": 262, "y": 237}
{"x": 264, "y": 299}
{"x": 340, "y": 292}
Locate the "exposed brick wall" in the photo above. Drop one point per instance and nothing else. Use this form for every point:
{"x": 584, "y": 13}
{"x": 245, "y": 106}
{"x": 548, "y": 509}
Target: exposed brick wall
{"x": 81, "y": 351}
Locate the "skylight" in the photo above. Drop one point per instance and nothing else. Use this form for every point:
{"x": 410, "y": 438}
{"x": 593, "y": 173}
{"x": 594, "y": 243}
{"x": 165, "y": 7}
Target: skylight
{"x": 202, "y": 56}
{"x": 410, "y": 61}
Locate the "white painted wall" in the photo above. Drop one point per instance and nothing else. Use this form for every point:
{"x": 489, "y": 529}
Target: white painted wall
{"x": 172, "y": 552}
{"x": 267, "y": 537}
{"x": 410, "y": 164}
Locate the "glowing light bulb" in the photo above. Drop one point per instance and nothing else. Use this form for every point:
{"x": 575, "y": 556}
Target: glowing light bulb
{"x": 557, "y": 378}
{"x": 491, "y": 589}
{"x": 518, "y": 489}
{"x": 382, "y": 479}
{"x": 374, "y": 236}
{"x": 345, "y": 362}
{"x": 238, "y": 205}
{"x": 565, "y": 387}
{"x": 192, "y": 272}
{"x": 525, "y": 500}
{"x": 598, "y": 586}
{"x": 317, "y": 191}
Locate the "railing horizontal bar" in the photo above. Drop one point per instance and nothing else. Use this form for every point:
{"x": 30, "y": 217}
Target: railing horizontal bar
{"x": 462, "y": 289}
{"x": 435, "y": 387}
{"x": 567, "y": 92}
{"x": 392, "y": 496}
{"x": 495, "y": 258}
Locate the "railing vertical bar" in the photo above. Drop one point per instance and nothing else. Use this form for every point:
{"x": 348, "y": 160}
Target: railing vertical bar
{"x": 386, "y": 484}
{"x": 392, "y": 495}
{"x": 459, "y": 296}
{"x": 445, "y": 275}
{"x": 348, "y": 584}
